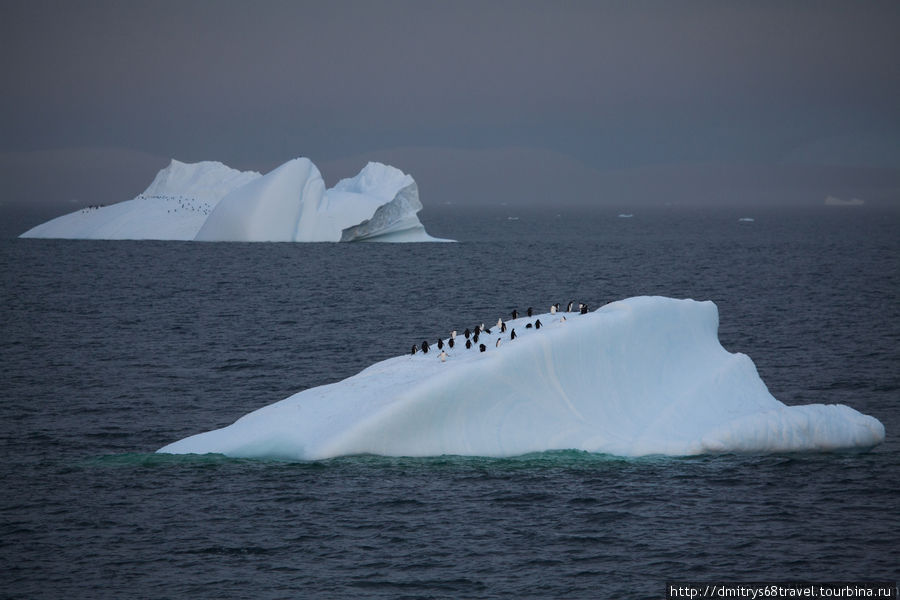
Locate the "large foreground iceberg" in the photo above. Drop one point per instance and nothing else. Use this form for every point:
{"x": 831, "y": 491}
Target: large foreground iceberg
{"x": 209, "y": 201}
{"x": 637, "y": 377}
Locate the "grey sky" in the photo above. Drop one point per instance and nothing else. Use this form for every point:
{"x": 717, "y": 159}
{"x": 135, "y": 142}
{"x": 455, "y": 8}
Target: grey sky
{"x": 603, "y": 87}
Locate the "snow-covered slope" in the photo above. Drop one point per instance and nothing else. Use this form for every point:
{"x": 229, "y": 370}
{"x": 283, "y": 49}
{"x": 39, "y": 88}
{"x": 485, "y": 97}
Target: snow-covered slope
{"x": 641, "y": 376}
{"x": 207, "y": 181}
{"x": 211, "y": 202}
{"x": 173, "y": 207}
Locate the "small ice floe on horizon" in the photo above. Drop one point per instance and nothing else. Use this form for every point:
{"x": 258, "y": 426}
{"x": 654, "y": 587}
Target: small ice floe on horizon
{"x": 835, "y": 201}
{"x": 746, "y": 219}
{"x": 625, "y": 215}
{"x": 512, "y": 218}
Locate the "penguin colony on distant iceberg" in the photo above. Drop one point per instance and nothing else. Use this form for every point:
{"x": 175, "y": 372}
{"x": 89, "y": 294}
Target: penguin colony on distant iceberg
{"x": 473, "y": 336}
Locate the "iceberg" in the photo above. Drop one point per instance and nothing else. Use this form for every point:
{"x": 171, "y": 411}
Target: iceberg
{"x": 835, "y": 201}
{"x": 641, "y": 376}
{"x": 209, "y": 201}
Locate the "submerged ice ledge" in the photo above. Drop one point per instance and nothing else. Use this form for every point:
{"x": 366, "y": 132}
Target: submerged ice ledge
{"x": 637, "y": 377}
{"x": 209, "y": 201}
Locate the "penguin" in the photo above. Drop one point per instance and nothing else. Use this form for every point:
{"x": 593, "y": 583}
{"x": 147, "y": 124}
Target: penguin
{"x": 424, "y": 346}
{"x": 487, "y": 331}
{"x": 443, "y": 356}
{"x": 450, "y": 342}
{"x": 515, "y": 314}
{"x": 468, "y": 344}
{"x": 481, "y": 327}
{"x": 528, "y": 326}
{"x": 563, "y": 320}
{"x": 414, "y": 349}
{"x": 503, "y": 328}
{"x": 552, "y": 309}
{"x": 440, "y": 344}
{"x": 467, "y": 333}
{"x": 475, "y": 338}
{"x": 500, "y": 322}
{"x": 584, "y": 309}
{"x": 453, "y": 335}
{"x": 512, "y": 335}
{"x": 530, "y": 311}
{"x": 481, "y": 347}
{"x": 580, "y": 306}
{"x": 537, "y": 324}
{"x": 497, "y": 345}
{"x": 569, "y": 307}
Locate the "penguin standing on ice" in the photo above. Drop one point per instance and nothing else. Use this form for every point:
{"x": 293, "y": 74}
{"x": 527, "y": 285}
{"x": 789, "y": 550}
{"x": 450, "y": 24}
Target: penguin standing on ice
{"x": 503, "y": 328}
{"x": 440, "y": 344}
{"x": 443, "y": 356}
{"x": 468, "y": 344}
{"x": 497, "y": 345}
{"x": 537, "y": 324}
{"x": 424, "y": 346}
{"x": 584, "y": 309}
{"x": 512, "y": 335}
{"x": 569, "y": 307}
{"x": 467, "y": 333}
{"x": 553, "y": 309}
{"x": 500, "y": 322}
{"x": 482, "y": 347}
{"x": 475, "y": 337}
{"x": 450, "y": 342}
{"x": 453, "y": 335}
{"x": 515, "y": 314}
{"x": 530, "y": 311}
{"x": 414, "y": 349}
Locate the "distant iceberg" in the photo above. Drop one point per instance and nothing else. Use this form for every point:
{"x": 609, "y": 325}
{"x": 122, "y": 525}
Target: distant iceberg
{"x": 835, "y": 201}
{"x": 638, "y": 377}
{"x": 209, "y": 201}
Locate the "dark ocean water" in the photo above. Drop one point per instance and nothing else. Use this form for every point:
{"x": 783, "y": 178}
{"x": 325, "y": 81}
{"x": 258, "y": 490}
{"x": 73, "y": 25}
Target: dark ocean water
{"x": 110, "y": 350}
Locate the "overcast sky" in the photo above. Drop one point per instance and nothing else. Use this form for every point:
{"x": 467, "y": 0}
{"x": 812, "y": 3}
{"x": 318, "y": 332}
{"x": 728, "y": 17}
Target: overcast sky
{"x": 97, "y": 96}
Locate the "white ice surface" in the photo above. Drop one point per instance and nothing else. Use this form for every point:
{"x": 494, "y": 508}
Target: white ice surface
{"x": 281, "y": 206}
{"x": 211, "y": 202}
{"x": 173, "y": 207}
{"x": 396, "y": 203}
{"x": 637, "y": 377}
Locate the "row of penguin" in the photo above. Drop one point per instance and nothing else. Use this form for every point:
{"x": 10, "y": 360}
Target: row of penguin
{"x": 472, "y": 336}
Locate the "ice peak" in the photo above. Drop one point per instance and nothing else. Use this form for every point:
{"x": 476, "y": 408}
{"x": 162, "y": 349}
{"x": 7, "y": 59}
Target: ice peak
{"x": 204, "y": 180}
{"x": 376, "y": 179}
